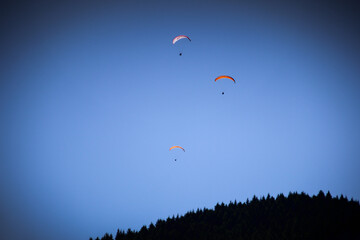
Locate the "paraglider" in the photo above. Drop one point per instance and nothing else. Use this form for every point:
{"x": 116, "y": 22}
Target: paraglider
{"x": 224, "y": 77}
{"x": 179, "y": 38}
{"x": 176, "y": 155}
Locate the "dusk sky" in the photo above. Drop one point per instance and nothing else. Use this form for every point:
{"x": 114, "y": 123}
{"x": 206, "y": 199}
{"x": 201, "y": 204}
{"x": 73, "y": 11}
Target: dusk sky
{"x": 93, "y": 95}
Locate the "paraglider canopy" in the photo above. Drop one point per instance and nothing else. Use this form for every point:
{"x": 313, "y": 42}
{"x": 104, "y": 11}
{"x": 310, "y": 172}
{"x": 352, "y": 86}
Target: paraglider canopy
{"x": 176, "y": 147}
{"x": 180, "y": 37}
{"x": 224, "y": 76}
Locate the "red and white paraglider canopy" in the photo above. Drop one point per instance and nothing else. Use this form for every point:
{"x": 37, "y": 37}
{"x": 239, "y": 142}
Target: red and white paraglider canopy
{"x": 180, "y": 37}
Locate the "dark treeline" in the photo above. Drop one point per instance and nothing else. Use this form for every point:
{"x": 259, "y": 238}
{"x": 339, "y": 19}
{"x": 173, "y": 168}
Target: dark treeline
{"x": 297, "y": 216}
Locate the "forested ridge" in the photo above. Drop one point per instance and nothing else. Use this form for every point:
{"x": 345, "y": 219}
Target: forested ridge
{"x": 297, "y": 216}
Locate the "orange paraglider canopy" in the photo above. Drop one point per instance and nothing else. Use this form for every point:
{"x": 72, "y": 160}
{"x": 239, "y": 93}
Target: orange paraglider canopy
{"x": 223, "y": 76}
{"x": 176, "y": 147}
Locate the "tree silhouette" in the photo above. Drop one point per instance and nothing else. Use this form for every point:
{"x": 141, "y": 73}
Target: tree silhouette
{"x": 297, "y": 216}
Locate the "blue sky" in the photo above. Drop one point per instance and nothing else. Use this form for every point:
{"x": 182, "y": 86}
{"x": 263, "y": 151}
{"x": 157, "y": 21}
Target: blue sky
{"x": 93, "y": 95}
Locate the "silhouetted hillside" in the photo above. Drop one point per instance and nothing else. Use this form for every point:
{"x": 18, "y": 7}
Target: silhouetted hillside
{"x": 297, "y": 216}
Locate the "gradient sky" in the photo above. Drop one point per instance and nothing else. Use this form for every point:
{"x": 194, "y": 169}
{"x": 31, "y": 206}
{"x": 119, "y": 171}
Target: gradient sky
{"x": 93, "y": 95}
